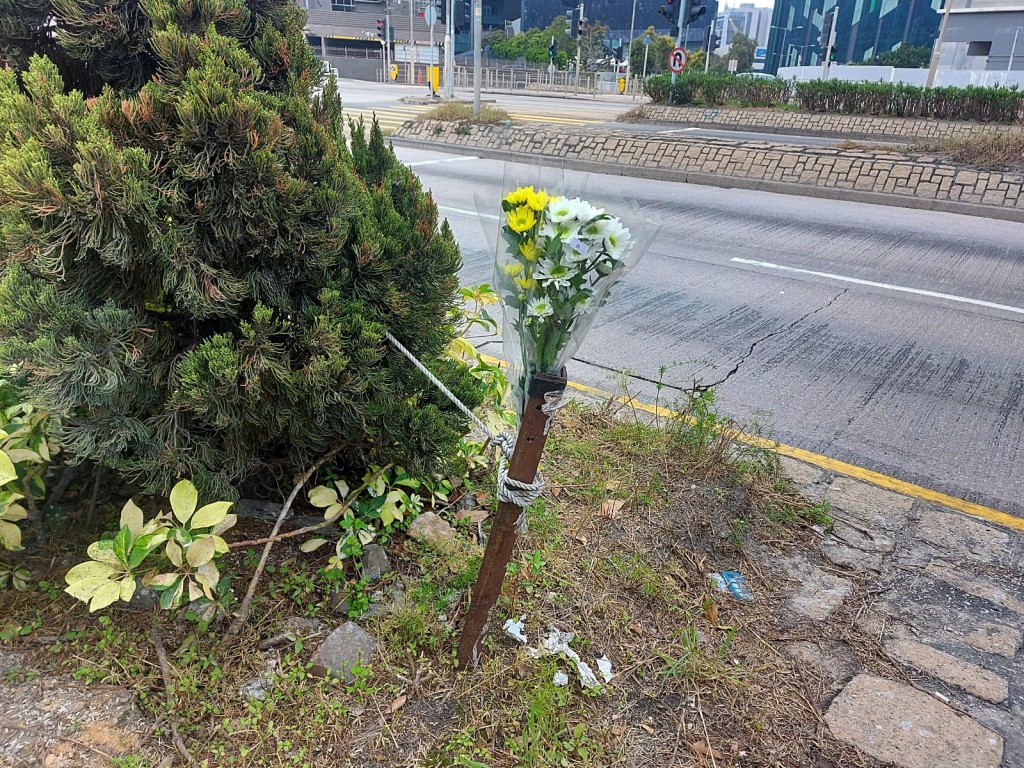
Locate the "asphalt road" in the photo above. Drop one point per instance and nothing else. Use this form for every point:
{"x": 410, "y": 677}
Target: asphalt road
{"x": 885, "y": 337}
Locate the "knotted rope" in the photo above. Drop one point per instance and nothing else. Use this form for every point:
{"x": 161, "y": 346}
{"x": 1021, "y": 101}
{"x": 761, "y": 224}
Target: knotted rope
{"x": 510, "y": 490}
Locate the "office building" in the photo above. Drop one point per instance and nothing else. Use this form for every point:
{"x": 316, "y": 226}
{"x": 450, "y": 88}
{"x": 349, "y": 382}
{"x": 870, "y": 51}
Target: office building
{"x": 863, "y": 29}
{"x": 743, "y": 19}
{"x": 984, "y": 35}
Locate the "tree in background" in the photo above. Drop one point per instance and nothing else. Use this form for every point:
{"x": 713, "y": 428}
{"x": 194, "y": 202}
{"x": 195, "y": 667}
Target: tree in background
{"x": 657, "y": 56}
{"x": 197, "y": 271}
{"x": 909, "y": 56}
{"x": 532, "y": 45}
{"x": 742, "y": 48}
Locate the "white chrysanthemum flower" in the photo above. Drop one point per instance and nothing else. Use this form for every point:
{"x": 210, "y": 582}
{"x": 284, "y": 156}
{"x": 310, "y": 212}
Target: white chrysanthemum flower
{"x": 561, "y": 209}
{"x": 539, "y": 308}
{"x": 617, "y": 239}
{"x": 564, "y": 230}
{"x": 553, "y": 275}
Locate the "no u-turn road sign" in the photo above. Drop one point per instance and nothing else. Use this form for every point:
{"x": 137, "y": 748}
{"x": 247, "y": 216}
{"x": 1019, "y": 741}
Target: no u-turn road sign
{"x": 677, "y": 60}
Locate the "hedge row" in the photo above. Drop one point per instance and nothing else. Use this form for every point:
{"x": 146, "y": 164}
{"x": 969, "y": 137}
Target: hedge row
{"x": 984, "y": 105}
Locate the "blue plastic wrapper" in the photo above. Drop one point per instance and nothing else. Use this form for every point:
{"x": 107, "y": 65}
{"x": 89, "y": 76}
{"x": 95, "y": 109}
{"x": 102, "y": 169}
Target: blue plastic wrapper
{"x": 733, "y": 583}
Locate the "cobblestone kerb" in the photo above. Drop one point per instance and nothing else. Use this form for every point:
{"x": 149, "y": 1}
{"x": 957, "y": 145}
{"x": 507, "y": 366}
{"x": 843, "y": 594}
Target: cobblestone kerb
{"x": 821, "y": 123}
{"x": 921, "y": 181}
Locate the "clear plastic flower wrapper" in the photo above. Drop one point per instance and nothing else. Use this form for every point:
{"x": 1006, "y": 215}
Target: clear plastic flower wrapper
{"x": 560, "y": 248}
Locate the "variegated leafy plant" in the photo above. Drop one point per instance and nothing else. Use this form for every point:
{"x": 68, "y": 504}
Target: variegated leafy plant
{"x": 174, "y": 553}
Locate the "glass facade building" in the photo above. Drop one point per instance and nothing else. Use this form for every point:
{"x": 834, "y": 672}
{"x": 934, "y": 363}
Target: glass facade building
{"x": 864, "y": 29}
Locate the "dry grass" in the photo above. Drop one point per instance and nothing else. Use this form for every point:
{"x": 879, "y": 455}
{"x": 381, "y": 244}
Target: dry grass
{"x": 637, "y": 114}
{"x": 618, "y": 552}
{"x": 456, "y": 111}
{"x": 987, "y": 150}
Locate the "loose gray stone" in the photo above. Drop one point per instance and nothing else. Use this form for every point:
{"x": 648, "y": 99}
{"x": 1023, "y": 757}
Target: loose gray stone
{"x": 431, "y": 530}
{"x": 375, "y": 562}
{"x": 993, "y": 591}
{"x": 995, "y": 638}
{"x": 819, "y": 593}
{"x": 346, "y": 647}
{"x": 970, "y": 677}
{"x": 899, "y": 724}
{"x": 256, "y": 688}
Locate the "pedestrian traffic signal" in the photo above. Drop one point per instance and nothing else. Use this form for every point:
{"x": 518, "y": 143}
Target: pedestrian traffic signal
{"x": 583, "y": 26}
{"x": 380, "y": 29}
{"x": 826, "y": 28}
{"x": 553, "y": 51}
{"x": 713, "y": 40}
{"x": 693, "y": 10}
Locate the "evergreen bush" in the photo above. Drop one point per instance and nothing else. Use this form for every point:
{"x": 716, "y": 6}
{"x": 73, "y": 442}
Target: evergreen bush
{"x": 198, "y": 270}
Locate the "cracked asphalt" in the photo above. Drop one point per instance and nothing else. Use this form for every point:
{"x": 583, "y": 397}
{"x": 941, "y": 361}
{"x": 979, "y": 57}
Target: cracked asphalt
{"x": 885, "y": 337}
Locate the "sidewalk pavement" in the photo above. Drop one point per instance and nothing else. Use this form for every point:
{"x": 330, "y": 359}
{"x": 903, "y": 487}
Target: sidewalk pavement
{"x": 941, "y": 596}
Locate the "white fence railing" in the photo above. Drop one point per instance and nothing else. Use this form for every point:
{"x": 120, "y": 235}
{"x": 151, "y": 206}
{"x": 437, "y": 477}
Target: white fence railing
{"x": 943, "y": 77}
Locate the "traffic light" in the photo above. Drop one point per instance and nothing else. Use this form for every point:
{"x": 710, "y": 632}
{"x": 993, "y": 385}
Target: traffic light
{"x": 714, "y": 39}
{"x": 574, "y": 22}
{"x": 583, "y": 26}
{"x": 693, "y": 10}
{"x": 826, "y": 28}
{"x": 461, "y": 16}
{"x": 670, "y": 12}
{"x": 380, "y": 29}
{"x": 618, "y": 53}
{"x": 553, "y": 51}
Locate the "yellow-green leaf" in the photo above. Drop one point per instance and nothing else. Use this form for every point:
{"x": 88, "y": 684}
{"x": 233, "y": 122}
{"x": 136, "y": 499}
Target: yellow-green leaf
{"x": 7, "y": 470}
{"x": 104, "y": 596}
{"x": 220, "y": 546}
{"x": 84, "y": 589}
{"x": 311, "y": 545}
{"x": 10, "y": 535}
{"x": 342, "y": 487}
{"x": 14, "y": 513}
{"x": 322, "y": 496}
{"x": 21, "y": 455}
{"x": 208, "y": 575}
{"x": 184, "y": 498}
{"x": 333, "y": 512}
{"x": 132, "y": 517}
{"x": 127, "y": 589}
{"x": 173, "y": 552}
{"x": 225, "y": 524}
{"x": 89, "y": 570}
{"x": 161, "y": 580}
{"x": 201, "y": 551}
{"x": 103, "y": 551}
{"x": 194, "y": 592}
{"x": 211, "y": 514}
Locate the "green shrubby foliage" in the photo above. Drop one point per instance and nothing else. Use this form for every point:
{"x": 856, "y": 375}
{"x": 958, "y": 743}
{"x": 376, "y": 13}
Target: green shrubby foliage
{"x": 198, "y": 270}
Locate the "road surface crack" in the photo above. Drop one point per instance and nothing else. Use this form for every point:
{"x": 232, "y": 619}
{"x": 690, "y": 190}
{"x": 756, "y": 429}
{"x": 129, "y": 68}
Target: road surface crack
{"x": 773, "y": 334}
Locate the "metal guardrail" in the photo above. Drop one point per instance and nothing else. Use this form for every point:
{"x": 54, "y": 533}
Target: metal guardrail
{"x": 534, "y": 81}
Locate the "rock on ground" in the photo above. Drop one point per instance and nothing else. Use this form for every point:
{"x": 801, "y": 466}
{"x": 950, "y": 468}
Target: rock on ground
{"x": 346, "y": 647}
{"x": 431, "y": 530}
{"x": 375, "y": 562}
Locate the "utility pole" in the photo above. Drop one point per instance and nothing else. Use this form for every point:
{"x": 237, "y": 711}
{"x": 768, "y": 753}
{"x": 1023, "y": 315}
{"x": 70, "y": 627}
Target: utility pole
{"x": 629, "y": 48}
{"x": 579, "y": 45}
{"x": 449, "y": 51}
{"x": 478, "y": 34}
{"x": 711, "y": 42}
{"x": 828, "y": 39}
{"x": 934, "y": 68}
{"x": 684, "y": 12}
{"x": 410, "y": 60}
{"x": 387, "y": 38}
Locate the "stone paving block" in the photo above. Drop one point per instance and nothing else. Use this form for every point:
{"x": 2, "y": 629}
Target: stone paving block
{"x": 976, "y": 680}
{"x": 994, "y": 592}
{"x": 901, "y": 725}
{"x": 819, "y": 593}
{"x": 960, "y": 535}
{"x": 800, "y": 472}
{"x": 995, "y": 638}
{"x": 869, "y": 504}
{"x": 842, "y": 554}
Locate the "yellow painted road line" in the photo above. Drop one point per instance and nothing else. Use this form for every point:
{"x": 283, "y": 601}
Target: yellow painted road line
{"x": 825, "y": 462}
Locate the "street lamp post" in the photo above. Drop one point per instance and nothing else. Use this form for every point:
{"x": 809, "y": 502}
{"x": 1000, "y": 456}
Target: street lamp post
{"x": 936, "y": 52}
{"x": 629, "y": 48}
{"x": 785, "y": 39}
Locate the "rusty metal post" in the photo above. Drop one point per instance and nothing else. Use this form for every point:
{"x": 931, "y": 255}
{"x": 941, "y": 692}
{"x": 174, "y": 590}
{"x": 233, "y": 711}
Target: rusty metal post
{"x": 502, "y": 539}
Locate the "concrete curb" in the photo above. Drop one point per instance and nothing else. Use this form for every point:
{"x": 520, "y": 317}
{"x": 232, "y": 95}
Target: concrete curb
{"x": 725, "y": 182}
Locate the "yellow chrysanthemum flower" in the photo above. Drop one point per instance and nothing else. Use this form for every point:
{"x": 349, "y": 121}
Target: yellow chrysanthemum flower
{"x": 521, "y": 219}
{"x": 537, "y": 200}
{"x": 520, "y": 196}
{"x": 526, "y": 283}
{"x": 513, "y": 269}
{"x": 530, "y": 250}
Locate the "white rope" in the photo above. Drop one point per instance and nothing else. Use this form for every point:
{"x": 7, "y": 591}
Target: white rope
{"x": 514, "y": 491}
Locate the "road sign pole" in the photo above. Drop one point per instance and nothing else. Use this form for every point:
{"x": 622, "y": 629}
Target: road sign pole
{"x": 478, "y": 34}
{"x": 579, "y": 53}
{"x": 647, "y": 52}
{"x": 683, "y": 9}
{"x": 449, "y": 51}
{"x": 432, "y": 9}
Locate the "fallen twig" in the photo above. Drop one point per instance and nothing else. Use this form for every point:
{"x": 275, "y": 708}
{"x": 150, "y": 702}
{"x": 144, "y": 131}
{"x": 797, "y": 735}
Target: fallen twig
{"x": 165, "y": 672}
{"x": 243, "y": 611}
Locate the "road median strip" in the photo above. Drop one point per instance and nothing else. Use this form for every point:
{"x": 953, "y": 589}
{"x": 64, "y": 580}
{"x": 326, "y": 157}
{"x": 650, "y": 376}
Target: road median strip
{"x": 879, "y": 177}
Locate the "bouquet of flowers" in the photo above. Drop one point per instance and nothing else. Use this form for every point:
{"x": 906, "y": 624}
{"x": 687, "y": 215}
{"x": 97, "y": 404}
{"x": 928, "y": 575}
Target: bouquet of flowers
{"x": 557, "y": 259}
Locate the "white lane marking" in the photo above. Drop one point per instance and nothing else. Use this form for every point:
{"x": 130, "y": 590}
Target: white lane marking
{"x": 445, "y": 160}
{"x": 680, "y": 130}
{"x": 887, "y": 286}
{"x": 464, "y": 212}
